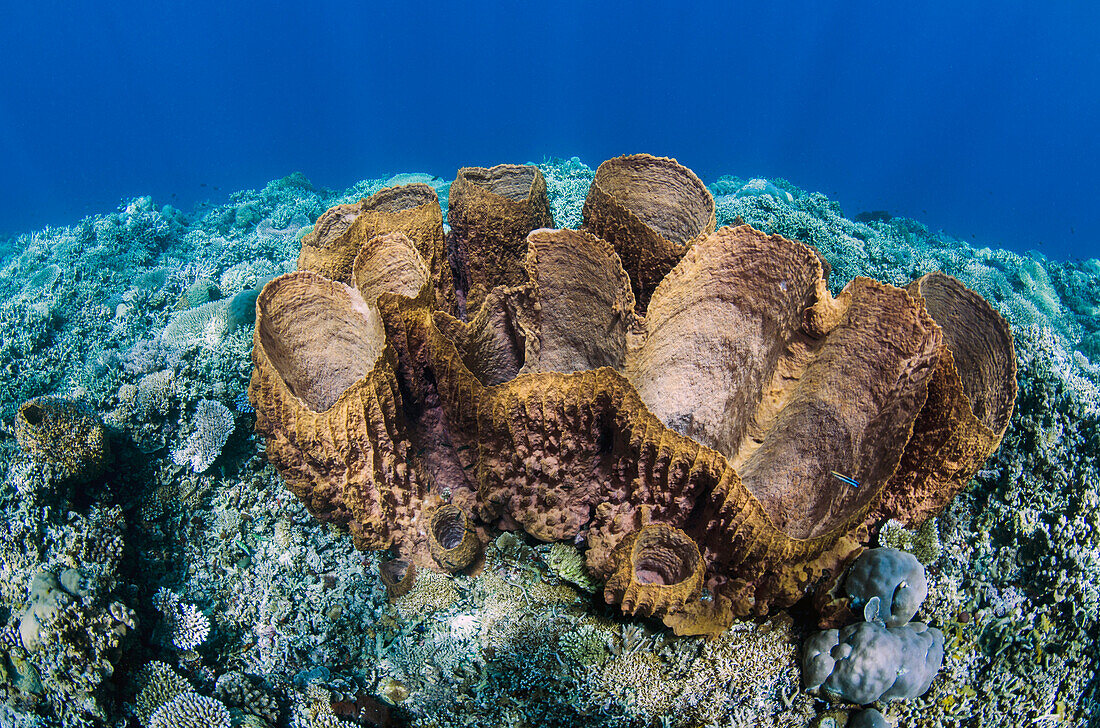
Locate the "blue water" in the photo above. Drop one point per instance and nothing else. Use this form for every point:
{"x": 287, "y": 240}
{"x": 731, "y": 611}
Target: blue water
{"x": 976, "y": 118}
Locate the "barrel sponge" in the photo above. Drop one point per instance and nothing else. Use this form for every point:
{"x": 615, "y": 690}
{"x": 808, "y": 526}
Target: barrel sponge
{"x": 65, "y": 433}
{"x": 865, "y": 662}
{"x": 971, "y": 397}
{"x": 705, "y": 429}
{"x": 331, "y": 248}
{"x": 490, "y": 212}
{"x": 893, "y": 577}
{"x": 398, "y": 577}
{"x": 650, "y": 208}
{"x": 658, "y": 569}
{"x": 452, "y": 539}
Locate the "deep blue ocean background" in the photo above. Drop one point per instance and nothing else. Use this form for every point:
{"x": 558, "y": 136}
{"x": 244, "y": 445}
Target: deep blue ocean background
{"x": 976, "y": 118}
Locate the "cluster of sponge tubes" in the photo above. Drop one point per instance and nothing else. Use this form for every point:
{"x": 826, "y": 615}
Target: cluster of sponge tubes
{"x": 675, "y": 397}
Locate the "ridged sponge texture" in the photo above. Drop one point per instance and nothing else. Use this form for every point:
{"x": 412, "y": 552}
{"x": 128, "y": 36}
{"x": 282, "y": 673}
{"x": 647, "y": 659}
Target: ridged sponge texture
{"x": 658, "y": 570}
{"x": 649, "y": 208}
{"x": 721, "y": 415}
{"x": 970, "y": 401}
{"x": 331, "y": 247}
{"x": 491, "y": 210}
{"x": 325, "y": 381}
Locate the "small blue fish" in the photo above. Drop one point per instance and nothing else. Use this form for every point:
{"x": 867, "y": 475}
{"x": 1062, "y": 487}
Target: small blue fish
{"x": 845, "y": 479}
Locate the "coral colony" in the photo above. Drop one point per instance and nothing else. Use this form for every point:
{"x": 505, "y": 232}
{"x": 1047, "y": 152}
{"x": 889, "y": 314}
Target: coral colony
{"x": 543, "y": 446}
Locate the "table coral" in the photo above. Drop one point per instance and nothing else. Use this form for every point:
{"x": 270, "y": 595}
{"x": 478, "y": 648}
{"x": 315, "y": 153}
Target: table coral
{"x": 723, "y": 413}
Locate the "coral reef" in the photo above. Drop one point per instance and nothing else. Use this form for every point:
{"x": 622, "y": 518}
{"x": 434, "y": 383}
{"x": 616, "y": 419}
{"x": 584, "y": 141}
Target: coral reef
{"x": 869, "y": 718}
{"x": 156, "y": 684}
{"x": 190, "y": 710}
{"x": 187, "y": 627}
{"x": 303, "y": 630}
{"x": 247, "y": 695}
{"x": 567, "y": 563}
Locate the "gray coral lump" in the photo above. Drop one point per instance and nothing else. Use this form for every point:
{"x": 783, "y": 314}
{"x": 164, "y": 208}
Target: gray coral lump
{"x": 865, "y": 662}
{"x": 884, "y": 657}
{"x": 869, "y": 718}
{"x": 887, "y": 584}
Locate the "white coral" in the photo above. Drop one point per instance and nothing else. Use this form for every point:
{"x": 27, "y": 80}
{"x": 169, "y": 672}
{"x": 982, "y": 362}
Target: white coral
{"x": 188, "y": 626}
{"x": 214, "y": 423}
{"x": 203, "y": 325}
{"x": 191, "y": 710}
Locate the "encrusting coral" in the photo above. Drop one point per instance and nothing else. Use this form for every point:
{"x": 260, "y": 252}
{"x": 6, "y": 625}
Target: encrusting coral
{"x": 64, "y": 433}
{"x": 720, "y": 420}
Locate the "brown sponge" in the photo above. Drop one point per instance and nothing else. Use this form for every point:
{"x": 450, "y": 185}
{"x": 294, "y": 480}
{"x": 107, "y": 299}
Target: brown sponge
{"x": 970, "y": 401}
{"x": 744, "y": 435}
{"x": 490, "y": 212}
{"x": 649, "y": 208}
{"x": 658, "y": 570}
{"x": 332, "y": 246}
